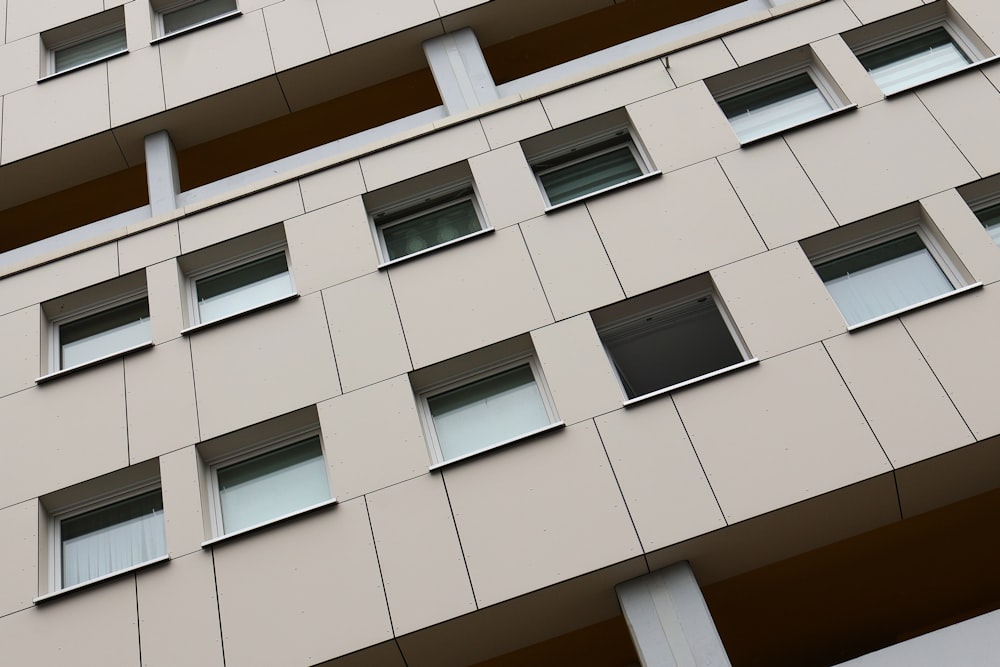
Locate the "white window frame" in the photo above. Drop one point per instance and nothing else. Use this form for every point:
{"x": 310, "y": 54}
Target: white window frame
{"x": 675, "y": 306}
{"x": 945, "y": 263}
{"x": 191, "y": 283}
{"x": 427, "y": 202}
{"x": 823, "y": 85}
{"x": 94, "y": 503}
{"x": 266, "y": 446}
{"x": 979, "y": 205}
{"x": 163, "y": 8}
{"x": 64, "y": 37}
{"x": 482, "y": 373}
{"x": 628, "y": 138}
{"x": 962, "y": 42}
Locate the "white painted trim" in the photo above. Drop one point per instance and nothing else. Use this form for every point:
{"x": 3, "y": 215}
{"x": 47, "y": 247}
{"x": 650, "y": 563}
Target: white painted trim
{"x": 680, "y": 385}
{"x": 944, "y": 77}
{"x": 93, "y": 362}
{"x": 503, "y": 443}
{"x": 596, "y": 193}
{"x": 269, "y": 522}
{"x": 803, "y": 123}
{"x": 916, "y": 306}
{"x": 111, "y": 575}
{"x": 262, "y": 306}
{"x": 440, "y": 246}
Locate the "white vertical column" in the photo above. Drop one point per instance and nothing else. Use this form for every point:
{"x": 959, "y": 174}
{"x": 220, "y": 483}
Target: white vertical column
{"x": 669, "y": 620}
{"x": 460, "y": 72}
{"x": 162, "y": 178}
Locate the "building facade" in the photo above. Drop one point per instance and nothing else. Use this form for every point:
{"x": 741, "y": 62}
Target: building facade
{"x": 431, "y": 333}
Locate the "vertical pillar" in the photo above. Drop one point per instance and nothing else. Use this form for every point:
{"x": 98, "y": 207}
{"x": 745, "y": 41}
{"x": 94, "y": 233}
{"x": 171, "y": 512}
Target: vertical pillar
{"x": 162, "y": 178}
{"x": 669, "y": 620}
{"x": 460, "y": 72}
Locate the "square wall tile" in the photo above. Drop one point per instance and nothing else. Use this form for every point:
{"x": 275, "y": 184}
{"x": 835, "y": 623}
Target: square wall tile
{"x": 295, "y": 33}
{"x": 790, "y": 31}
{"x": 967, "y": 107}
{"x": 331, "y": 245}
{"x": 423, "y": 154}
{"x": 21, "y": 336}
{"x": 248, "y": 214}
{"x": 352, "y": 24}
{"x": 506, "y": 186}
{"x": 515, "y": 123}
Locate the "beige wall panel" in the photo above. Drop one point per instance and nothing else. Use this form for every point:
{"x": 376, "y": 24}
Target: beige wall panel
{"x": 899, "y": 137}
{"x": 331, "y": 245}
{"x": 665, "y": 488}
{"x": 781, "y": 200}
{"x": 873, "y": 10}
{"x": 209, "y": 61}
{"x": 166, "y": 289}
{"x": 58, "y": 278}
{"x": 427, "y": 153}
{"x": 984, "y": 18}
{"x": 674, "y": 227}
{"x": 20, "y": 336}
{"x": 180, "y": 477}
{"x": 95, "y": 627}
{"x": 35, "y": 118}
{"x": 905, "y": 405}
{"x": 295, "y": 32}
{"x": 966, "y": 236}
{"x": 247, "y": 6}
{"x": 778, "y": 302}
{"x": 19, "y": 557}
{"x": 372, "y": 438}
{"x": 790, "y": 31}
{"x": 179, "y": 614}
{"x": 577, "y": 369}
{"x": 135, "y": 85}
{"x": 281, "y": 359}
{"x": 699, "y": 62}
{"x": 367, "y": 337}
{"x": 539, "y": 512}
{"x": 515, "y": 123}
{"x": 322, "y": 595}
{"x": 138, "y": 26}
{"x": 20, "y": 63}
{"x": 240, "y": 216}
{"x": 572, "y": 264}
{"x": 608, "y": 92}
{"x": 791, "y": 431}
{"x": 507, "y": 187}
{"x": 419, "y": 554}
{"x": 967, "y": 107}
{"x": 446, "y": 7}
{"x": 949, "y": 478}
{"x": 468, "y": 296}
{"x": 356, "y": 23}
{"x": 957, "y": 338}
{"x": 159, "y": 395}
{"x": 682, "y": 127}
{"x": 149, "y": 247}
{"x": 332, "y": 185}
{"x": 48, "y": 453}
{"x": 25, "y": 17}
{"x": 846, "y": 72}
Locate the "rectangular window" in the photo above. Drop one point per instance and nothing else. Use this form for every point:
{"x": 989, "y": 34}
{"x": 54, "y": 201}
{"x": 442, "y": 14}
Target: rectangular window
{"x": 243, "y": 287}
{"x": 82, "y": 42}
{"x": 578, "y": 171}
{"x": 259, "y": 487}
{"x": 436, "y": 220}
{"x": 104, "y": 333}
{"x": 914, "y": 60}
{"x": 775, "y": 107}
{"x": 990, "y": 217}
{"x": 114, "y": 537}
{"x": 176, "y": 17}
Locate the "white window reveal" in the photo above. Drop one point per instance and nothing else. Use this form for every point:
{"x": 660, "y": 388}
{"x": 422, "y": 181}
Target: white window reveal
{"x": 248, "y": 285}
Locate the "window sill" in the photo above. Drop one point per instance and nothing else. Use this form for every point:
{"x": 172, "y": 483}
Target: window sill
{"x": 102, "y": 59}
{"x": 111, "y": 575}
{"x": 446, "y": 244}
{"x": 93, "y": 362}
{"x": 197, "y": 26}
{"x": 503, "y": 443}
{"x": 597, "y": 193}
{"x": 943, "y": 77}
{"x": 917, "y": 306}
{"x": 804, "y": 123}
{"x": 687, "y": 383}
{"x": 269, "y": 522}
{"x": 233, "y": 316}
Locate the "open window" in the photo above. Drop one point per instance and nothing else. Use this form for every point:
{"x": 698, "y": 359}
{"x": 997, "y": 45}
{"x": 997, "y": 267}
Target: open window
{"x": 176, "y": 16}
{"x": 670, "y": 338}
{"x": 83, "y": 42}
{"x": 425, "y": 213}
{"x": 877, "y": 268}
{"x": 775, "y": 95}
{"x": 586, "y": 159}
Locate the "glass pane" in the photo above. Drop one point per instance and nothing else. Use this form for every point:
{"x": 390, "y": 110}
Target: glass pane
{"x": 671, "y": 347}
{"x": 89, "y": 51}
{"x": 272, "y": 485}
{"x": 590, "y": 175}
{"x": 104, "y": 333}
{"x": 884, "y": 278}
{"x": 190, "y": 15}
{"x": 990, "y": 217}
{"x": 430, "y": 229}
{"x": 775, "y": 107}
{"x": 487, "y": 412}
{"x": 244, "y": 287}
{"x": 112, "y": 538}
{"x": 914, "y": 60}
